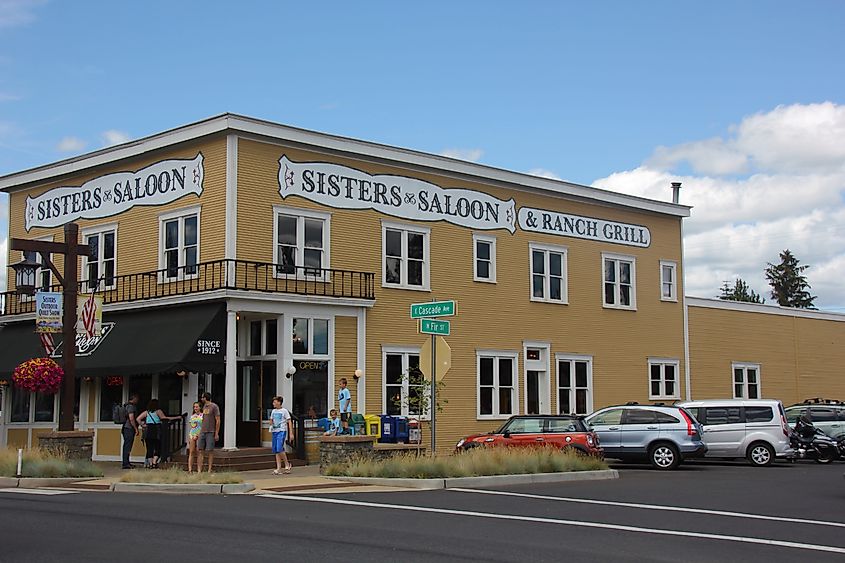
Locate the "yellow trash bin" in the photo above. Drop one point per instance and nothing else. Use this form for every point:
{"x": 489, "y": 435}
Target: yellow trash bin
{"x": 373, "y": 425}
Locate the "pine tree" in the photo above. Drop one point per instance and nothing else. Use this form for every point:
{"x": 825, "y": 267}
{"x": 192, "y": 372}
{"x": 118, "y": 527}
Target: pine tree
{"x": 740, "y": 292}
{"x": 789, "y": 285}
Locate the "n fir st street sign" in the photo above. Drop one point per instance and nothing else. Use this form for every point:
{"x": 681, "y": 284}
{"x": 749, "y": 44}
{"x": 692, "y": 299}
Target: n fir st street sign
{"x": 434, "y": 309}
{"x": 431, "y": 326}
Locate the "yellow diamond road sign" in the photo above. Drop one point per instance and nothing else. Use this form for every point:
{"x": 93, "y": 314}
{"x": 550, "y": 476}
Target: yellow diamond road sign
{"x": 444, "y": 357}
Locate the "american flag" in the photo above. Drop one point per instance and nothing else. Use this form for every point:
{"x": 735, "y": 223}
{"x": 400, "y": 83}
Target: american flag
{"x": 89, "y": 314}
{"x": 47, "y": 342}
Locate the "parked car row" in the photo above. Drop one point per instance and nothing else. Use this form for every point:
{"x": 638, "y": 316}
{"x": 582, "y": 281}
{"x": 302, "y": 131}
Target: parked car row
{"x": 759, "y": 430}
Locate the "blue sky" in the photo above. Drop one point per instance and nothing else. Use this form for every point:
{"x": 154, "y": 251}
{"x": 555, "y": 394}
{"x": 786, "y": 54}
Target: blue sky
{"x": 742, "y": 101}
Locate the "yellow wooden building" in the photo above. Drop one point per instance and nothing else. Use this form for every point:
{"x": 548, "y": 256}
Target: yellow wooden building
{"x": 247, "y": 258}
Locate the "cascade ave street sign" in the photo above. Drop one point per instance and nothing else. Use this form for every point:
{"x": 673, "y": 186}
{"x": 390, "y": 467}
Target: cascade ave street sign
{"x": 434, "y": 309}
{"x": 430, "y": 326}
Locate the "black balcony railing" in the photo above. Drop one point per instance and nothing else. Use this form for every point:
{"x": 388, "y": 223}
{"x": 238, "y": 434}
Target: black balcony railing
{"x": 209, "y": 276}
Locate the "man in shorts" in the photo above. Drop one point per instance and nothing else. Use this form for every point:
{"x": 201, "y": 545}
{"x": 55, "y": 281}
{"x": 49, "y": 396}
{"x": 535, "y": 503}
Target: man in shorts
{"x": 344, "y": 399}
{"x": 209, "y": 431}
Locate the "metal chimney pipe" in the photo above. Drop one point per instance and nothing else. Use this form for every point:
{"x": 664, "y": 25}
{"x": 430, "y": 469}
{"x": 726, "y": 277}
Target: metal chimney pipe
{"x": 676, "y": 192}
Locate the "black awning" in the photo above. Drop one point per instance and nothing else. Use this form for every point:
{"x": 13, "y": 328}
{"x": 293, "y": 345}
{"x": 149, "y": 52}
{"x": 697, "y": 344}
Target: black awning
{"x": 156, "y": 340}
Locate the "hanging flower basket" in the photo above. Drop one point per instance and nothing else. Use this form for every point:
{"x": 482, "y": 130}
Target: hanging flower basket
{"x": 114, "y": 381}
{"x": 39, "y": 375}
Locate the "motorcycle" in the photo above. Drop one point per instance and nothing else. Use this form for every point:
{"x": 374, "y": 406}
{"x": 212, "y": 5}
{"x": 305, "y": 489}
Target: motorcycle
{"x": 811, "y": 443}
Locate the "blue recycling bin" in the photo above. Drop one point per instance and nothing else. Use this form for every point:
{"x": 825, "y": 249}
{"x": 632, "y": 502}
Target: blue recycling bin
{"x": 387, "y": 430}
{"x": 401, "y": 430}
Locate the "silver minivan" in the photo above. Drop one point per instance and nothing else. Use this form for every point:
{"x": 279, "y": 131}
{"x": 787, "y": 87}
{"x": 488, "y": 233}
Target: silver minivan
{"x": 755, "y": 429}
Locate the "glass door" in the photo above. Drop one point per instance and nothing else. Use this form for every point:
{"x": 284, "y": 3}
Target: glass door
{"x": 249, "y": 405}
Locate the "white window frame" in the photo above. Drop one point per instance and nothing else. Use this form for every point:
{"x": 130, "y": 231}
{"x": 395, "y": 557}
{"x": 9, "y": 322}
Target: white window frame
{"x": 491, "y": 240}
{"x": 39, "y": 272}
{"x": 744, "y": 366}
{"x": 311, "y": 353}
{"x": 403, "y": 351}
{"x": 542, "y": 365}
{"x": 496, "y": 355}
{"x": 673, "y": 284}
{"x": 663, "y": 362}
{"x": 181, "y": 215}
{"x": 617, "y": 284}
{"x": 30, "y": 422}
{"x": 99, "y": 230}
{"x": 572, "y": 358}
{"x": 564, "y": 270}
{"x": 301, "y": 215}
{"x": 403, "y": 272}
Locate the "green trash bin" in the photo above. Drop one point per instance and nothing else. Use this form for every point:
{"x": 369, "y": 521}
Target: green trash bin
{"x": 358, "y": 424}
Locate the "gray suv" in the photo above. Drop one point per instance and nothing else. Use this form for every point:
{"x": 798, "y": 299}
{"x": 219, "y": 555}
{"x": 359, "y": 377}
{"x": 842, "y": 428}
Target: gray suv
{"x": 662, "y": 435}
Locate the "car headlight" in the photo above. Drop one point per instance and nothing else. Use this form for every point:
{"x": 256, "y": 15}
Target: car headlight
{"x": 460, "y": 443}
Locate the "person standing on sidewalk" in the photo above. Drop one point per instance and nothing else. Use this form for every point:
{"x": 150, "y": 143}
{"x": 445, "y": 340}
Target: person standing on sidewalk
{"x": 280, "y": 429}
{"x": 130, "y": 429}
{"x": 209, "y": 431}
{"x": 344, "y": 399}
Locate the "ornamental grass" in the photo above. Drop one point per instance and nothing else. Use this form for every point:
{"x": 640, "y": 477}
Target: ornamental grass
{"x": 474, "y": 463}
{"x": 44, "y": 464}
{"x": 178, "y": 476}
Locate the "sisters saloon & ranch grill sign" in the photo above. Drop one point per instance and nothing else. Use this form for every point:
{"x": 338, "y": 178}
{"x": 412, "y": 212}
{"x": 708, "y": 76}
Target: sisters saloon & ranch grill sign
{"x": 157, "y": 184}
{"x": 408, "y": 198}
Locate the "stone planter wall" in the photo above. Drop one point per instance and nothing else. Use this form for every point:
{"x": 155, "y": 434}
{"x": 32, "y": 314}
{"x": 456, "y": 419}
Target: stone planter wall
{"x": 339, "y": 449}
{"x": 76, "y": 444}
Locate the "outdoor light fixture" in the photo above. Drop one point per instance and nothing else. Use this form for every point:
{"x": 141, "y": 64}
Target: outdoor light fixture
{"x": 358, "y": 374}
{"x": 25, "y": 272}
{"x": 290, "y": 371}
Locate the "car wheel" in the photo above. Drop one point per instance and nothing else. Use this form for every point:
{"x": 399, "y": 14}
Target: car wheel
{"x": 664, "y": 456}
{"x": 760, "y": 454}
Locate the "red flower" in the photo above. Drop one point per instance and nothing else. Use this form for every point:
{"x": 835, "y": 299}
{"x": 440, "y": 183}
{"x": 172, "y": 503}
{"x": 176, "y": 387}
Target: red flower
{"x": 39, "y": 375}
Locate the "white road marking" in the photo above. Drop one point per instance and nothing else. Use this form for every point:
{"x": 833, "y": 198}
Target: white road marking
{"x": 658, "y": 507}
{"x": 37, "y": 492}
{"x": 577, "y": 523}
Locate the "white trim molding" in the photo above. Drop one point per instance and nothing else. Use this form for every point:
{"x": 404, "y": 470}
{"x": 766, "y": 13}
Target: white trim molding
{"x": 763, "y": 309}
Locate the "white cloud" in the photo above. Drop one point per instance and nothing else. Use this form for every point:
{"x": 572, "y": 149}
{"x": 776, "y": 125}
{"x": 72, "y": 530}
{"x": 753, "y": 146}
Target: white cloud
{"x": 543, "y": 173}
{"x": 14, "y": 13}
{"x": 71, "y": 144}
{"x": 114, "y": 137}
{"x": 472, "y": 155}
{"x": 795, "y": 198}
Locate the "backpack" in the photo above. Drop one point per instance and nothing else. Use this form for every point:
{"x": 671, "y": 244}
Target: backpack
{"x": 119, "y": 414}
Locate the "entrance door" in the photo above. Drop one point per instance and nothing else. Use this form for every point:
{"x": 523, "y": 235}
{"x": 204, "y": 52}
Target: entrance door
{"x": 535, "y": 392}
{"x": 249, "y": 404}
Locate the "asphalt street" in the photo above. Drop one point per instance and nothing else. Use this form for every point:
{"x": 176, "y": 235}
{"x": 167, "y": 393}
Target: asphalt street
{"x": 702, "y": 512}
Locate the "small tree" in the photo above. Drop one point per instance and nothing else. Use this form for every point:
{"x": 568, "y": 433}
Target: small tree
{"x": 789, "y": 285}
{"x": 418, "y": 398}
{"x": 740, "y": 292}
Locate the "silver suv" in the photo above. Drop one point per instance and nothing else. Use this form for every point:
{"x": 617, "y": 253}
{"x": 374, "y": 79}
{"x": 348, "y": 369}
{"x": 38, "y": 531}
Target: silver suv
{"x": 755, "y": 429}
{"x": 662, "y": 435}
{"x": 827, "y": 415}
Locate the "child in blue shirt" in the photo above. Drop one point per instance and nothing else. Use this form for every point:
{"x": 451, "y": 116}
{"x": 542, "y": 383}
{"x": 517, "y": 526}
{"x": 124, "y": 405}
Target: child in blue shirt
{"x": 334, "y": 424}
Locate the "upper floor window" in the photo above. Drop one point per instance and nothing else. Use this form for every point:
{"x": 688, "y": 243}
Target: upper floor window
{"x": 746, "y": 381}
{"x": 302, "y": 241}
{"x": 663, "y": 379}
{"x": 668, "y": 281}
{"x": 548, "y": 273}
{"x": 484, "y": 257}
{"x": 179, "y": 244}
{"x": 101, "y": 266}
{"x": 620, "y": 285}
{"x": 406, "y": 256}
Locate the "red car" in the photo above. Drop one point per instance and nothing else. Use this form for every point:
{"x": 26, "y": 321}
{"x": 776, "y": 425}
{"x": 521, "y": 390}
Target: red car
{"x": 562, "y": 431}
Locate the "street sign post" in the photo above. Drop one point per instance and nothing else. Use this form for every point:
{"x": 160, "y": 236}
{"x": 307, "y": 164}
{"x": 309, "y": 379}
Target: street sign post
{"x": 431, "y": 326}
{"x": 434, "y": 309}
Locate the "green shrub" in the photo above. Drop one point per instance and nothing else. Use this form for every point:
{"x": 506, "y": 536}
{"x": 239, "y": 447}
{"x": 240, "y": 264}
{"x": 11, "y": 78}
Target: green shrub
{"x": 43, "y": 463}
{"x": 476, "y": 462}
{"x": 175, "y": 475}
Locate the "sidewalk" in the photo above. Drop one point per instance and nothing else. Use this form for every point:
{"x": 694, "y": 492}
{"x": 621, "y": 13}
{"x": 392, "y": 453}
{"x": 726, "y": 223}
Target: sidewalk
{"x": 305, "y": 479}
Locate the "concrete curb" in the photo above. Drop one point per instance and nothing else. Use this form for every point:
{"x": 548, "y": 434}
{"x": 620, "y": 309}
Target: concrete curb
{"x": 183, "y": 488}
{"x": 39, "y": 482}
{"x": 487, "y": 481}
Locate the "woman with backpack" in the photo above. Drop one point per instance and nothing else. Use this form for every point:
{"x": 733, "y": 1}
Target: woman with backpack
{"x": 150, "y": 421}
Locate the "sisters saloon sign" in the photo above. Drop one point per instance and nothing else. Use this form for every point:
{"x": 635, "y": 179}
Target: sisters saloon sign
{"x": 408, "y": 198}
{"x": 111, "y": 194}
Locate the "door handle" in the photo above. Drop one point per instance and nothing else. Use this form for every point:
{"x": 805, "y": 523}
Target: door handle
{"x": 613, "y": 428}
{"x": 539, "y": 439}
{"x": 651, "y": 427}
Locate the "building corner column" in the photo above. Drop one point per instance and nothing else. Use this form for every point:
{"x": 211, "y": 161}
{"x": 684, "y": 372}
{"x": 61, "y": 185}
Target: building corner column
{"x": 231, "y": 383}
{"x": 361, "y": 387}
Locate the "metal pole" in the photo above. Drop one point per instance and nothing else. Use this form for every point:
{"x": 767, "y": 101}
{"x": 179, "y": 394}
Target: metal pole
{"x": 69, "y": 328}
{"x": 433, "y": 395}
